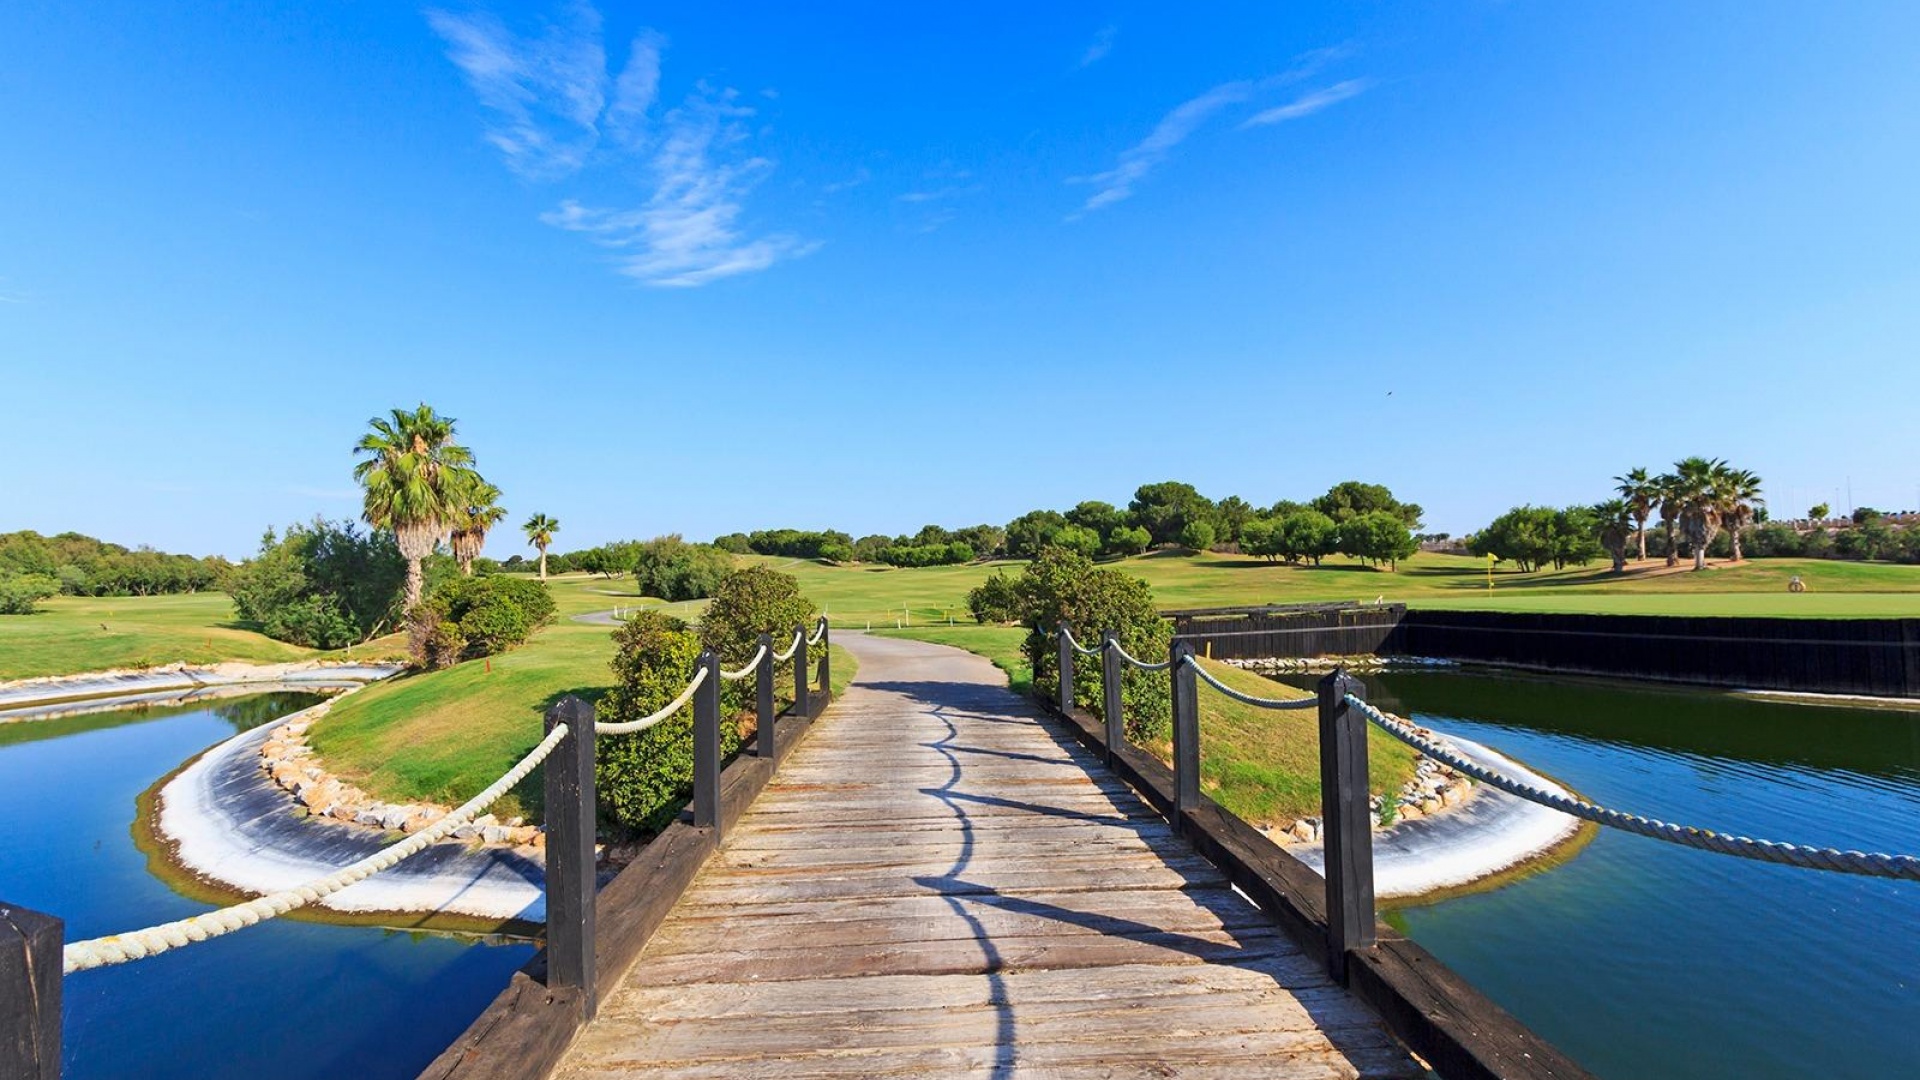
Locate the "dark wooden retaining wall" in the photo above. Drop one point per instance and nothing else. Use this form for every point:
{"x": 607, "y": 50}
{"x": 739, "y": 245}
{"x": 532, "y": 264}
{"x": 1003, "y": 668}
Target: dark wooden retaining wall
{"x": 1878, "y": 657}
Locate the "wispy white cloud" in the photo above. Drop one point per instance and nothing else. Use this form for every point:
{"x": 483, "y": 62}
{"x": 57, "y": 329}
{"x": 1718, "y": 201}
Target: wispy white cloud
{"x": 1139, "y": 160}
{"x": 1146, "y": 155}
{"x": 1102, "y": 45}
{"x": 1308, "y": 104}
{"x": 556, "y": 110}
{"x": 860, "y": 176}
{"x": 688, "y": 233}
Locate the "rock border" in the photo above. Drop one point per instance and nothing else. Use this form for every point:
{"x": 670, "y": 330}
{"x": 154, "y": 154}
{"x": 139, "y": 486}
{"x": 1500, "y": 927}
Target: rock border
{"x": 290, "y": 760}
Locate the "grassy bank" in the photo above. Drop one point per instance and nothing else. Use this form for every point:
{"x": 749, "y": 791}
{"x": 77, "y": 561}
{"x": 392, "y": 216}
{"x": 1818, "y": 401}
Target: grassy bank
{"x": 1262, "y": 764}
{"x": 443, "y": 735}
{"x": 886, "y": 597}
{"x": 70, "y": 635}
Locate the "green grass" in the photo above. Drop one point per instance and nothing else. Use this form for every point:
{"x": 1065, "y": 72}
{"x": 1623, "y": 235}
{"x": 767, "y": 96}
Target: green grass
{"x": 444, "y": 735}
{"x": 886, "y": 596}
{"x": 1262, "y": 764}
{"x": 70, "y": 635}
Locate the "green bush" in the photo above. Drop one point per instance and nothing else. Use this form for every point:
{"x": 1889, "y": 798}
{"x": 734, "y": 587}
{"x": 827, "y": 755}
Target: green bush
{"x": 324, "y": 585}
{"x": 1065, "y": 587}
{"x": 466, "y": 618}
{"x": 995, "y": 600}
{"x": 672, "y": 569}
{"x": 644, "y": 779}
{"x": 1128, "y": 540}
{"x": 749, "y": 602}
{"x": 1198, "y": 535}
{"x": 20, "y": 592}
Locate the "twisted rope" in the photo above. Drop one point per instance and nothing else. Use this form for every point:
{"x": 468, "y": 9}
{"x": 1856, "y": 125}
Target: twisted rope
{"x": 819, "y": 631}
{"x": 139, "y": 944}
{"x": 783, "y": 657}
{"x": 645, "y": 722}
{"x": 1077, "y": 647}
{"x": 1139, "y": 663}
{"x": 1870, "y": 864}
{"x": 746, "y": 669}
{"x": 1248, "y": 699}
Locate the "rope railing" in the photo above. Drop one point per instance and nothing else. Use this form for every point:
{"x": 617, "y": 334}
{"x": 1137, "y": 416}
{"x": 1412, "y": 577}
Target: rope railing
{"x": 746, "y": 669}
{"x": 1245, "y": 698}
{"x": 1083, "y": 650}
{"x": 819, "y": 631}
{"x": 793, "y": 647}
{"x": 138, "y": 944}
{"x": 633, "y": 726}
{"x": 1871, "y": 864}
{"x": 1134, "y": 661}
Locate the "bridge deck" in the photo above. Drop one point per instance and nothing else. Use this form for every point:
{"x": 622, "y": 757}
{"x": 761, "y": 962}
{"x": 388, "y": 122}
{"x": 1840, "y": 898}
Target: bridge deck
{"x": 939, "y": 882}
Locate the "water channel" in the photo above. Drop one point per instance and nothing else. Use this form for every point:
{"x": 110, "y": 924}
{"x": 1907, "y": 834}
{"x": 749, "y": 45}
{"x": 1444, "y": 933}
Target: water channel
{"x": 287, "y": 998}
{"x": 1645, "y": 960}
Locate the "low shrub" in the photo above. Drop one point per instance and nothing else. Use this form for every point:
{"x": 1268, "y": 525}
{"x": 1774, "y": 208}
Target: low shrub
{"x": 20, "y": 592}
{"x": 644, "y": 779}
{"x": 467, "y": 618}
{"x": 672, "y": 569}
{"x": 749, "y": 602}
{"x": 1061, "y": 586}
{"x": 995, "y": 600}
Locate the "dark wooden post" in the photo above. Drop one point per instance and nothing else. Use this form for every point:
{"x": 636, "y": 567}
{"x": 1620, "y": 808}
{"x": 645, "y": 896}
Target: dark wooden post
{"x": 801, "y": 674}
{"x": 30, "y": 945}
{"x": 1346, "y": 828}
{"x": 570, "y": 866}
{"x": 769, "y": 736}
{"x": 1110, "y": 674}
{"x": 706, "y": 746}
{"x": 1064, "y": 634}
{"x": 826, "y": 658}
{"x": 1186, "y": 729}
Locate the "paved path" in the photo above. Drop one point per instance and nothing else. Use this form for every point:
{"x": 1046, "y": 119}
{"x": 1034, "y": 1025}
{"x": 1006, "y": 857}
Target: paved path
{"x": 937, "y": 882}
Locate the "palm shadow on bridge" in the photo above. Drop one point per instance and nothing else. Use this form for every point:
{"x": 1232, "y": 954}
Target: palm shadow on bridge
{"x": 1247, "y": 938}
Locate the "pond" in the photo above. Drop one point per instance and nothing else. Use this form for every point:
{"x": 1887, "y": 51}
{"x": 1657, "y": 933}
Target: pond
{"x": 286, "y": 998}
{"x": 1642, "y": 959}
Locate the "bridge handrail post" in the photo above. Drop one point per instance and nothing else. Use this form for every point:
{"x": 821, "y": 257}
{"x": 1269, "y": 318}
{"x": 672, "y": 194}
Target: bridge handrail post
{"x": 30, "y": 980}
{"x": 1346, "y": 821}
{"x": 802, "y": 700}
{"x": 1110, "y": 674}
{"x": 1186, "y": 728}
{"x": 826, "y": 658}
{"x": 570, "y": 874}
{"x": 706, "y": 745}
{"x": 1064, "y": 639}
{"x": 764, "y": 716}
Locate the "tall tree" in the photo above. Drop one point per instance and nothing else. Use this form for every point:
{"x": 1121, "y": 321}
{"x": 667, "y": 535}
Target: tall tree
{"x": 479, "y": 513}
{"x": 1668, "y": 487}
{"x": 1166, "y": 508}
{"x": 1641, "y": 493}
{"x": 1613, "y": 520}
{"x": 1738, "y": 494}
{"x": 416, "y": 478}
{"x": 1697, "y": 490}
{"x": 540, "y": 529}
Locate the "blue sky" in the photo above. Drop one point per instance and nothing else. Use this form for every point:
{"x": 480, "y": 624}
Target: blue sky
{"x": 867, "y": 266}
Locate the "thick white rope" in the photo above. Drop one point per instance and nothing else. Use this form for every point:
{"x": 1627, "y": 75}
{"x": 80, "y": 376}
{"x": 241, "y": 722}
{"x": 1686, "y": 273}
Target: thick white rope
{"x": 1249, "y": 699}
{"x": 783, "y": 657}
{"x": 747, "y": 669}
{"x": 819, "y": 632}
{"x": 645, "y": 722}
{"x": 1139, "y": 663}
{"x": 139, "y": 944}
{"x": 1077, "y": 647}
{"x": 1847, "y": 862}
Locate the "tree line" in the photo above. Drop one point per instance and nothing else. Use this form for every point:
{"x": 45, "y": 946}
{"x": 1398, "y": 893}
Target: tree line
{"x": 74, "y": 564}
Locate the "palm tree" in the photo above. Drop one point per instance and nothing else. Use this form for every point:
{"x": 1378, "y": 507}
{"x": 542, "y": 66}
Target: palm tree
{"x": 540, "y": 529}
{"x": 1613, "y": 522}
{"x": 1667, "y": 487}
{"x": 471, "y": 523}
{"x": 1641, "y": 493}
{"x": 415, "y": 478}
{"x": 1697, "y": 483}
{"x": 1739, "y": 493}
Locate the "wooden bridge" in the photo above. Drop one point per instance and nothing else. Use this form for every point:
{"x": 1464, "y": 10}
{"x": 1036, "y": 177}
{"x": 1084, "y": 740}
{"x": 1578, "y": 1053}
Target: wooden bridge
{"x": 942, "y": 878}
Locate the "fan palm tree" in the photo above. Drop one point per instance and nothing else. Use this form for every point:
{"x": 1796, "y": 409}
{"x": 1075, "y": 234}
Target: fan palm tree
{"x": 1667, "y": 487}
{"x": 415, "y": 478}
{"x": 1738, "y": 491}
{"x": 1641, "y": 494}
{"x": 480, "y": 512}
{"x": 1613, "y": 523}
{"x": 1697, "y": 489}
{"x": 540, "y": 529}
